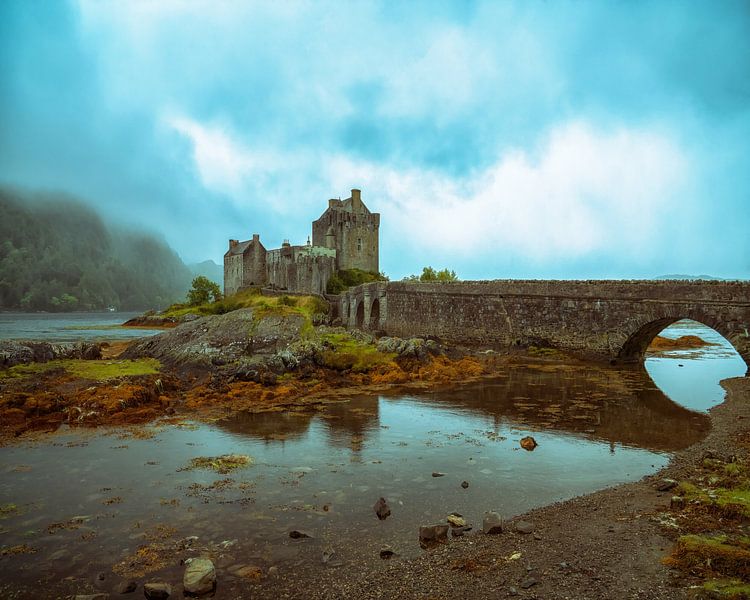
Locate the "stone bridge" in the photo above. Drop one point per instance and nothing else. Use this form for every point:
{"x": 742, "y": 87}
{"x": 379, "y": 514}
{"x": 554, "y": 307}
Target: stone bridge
{"x": 604, "y": 320}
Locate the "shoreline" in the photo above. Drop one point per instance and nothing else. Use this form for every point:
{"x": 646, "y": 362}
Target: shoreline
{"x": 608, "y": 544}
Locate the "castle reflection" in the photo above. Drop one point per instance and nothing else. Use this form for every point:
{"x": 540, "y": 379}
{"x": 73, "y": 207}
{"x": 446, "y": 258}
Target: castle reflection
{"x": 617, "y": 406}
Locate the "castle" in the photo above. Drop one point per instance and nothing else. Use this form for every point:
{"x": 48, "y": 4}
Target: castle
{"x": 344, "y": 237}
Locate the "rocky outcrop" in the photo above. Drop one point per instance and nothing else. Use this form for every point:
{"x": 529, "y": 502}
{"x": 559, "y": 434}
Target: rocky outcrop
{"x": 240, "y": 336}
{"x": 412, "y": 348}
{"x": 15, "y": 352}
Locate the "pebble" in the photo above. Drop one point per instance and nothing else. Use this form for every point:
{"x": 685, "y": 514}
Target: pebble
{"x": 438, "y": 474}
{"x": 524, "y": 527}
{"x": 126, "y": 587}
{"x": 297, "y": 534}
{"x": 273, "y": 572}
{"x": 528, "y": 582}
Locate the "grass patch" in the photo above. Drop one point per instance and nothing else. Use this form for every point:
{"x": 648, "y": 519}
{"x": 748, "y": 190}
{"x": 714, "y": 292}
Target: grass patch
{"x": 310, "y": 307}
{"x": 8, "y": 510}
{"x": 727, "y": 589}
{"x": 221, "y": 464}
{"x": 97, "y": 370}
{"x": 343, "y": 352}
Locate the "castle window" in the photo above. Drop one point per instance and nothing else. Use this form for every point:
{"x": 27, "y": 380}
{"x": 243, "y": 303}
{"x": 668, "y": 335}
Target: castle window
{"x": 359, "y": 244}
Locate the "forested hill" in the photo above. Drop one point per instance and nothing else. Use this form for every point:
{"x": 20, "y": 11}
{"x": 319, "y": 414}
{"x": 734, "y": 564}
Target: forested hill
{"x": 56, "y": 254}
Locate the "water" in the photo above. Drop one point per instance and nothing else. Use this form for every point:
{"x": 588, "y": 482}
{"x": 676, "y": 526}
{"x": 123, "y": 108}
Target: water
{"x": 696, "y": 385}
{"x": 92, "y": 502}
{"x": 69, "y": 327}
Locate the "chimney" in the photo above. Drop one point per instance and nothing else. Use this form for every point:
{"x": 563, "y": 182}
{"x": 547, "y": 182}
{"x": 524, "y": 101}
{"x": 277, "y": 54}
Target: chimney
{"x": 356, "y": 199}
{"x": 256, "y": 237}
{"x": 233, "y": 243}
{"x": 332, "y": 202}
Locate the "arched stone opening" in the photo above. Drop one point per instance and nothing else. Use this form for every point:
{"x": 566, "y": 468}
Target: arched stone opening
{"x": 375, "y": 315}
{"x": 634, "y": 348}
{"x": 359, "y": 319}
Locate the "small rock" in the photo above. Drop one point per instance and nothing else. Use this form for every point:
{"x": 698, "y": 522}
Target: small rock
{"x": 382, "y": 510}
{"x": 528, "y": 443}
{"x": 200, "y": 577}
{"x": 431, "y": 535}
{"x": 456, "y": 520}
{"x": 492, "y": 523}
{"x": 537, "y": 536}
{"x": 157, "y": 590}
{"x": 563, "y": 565}
{"x": 464, "y": 484}
{"x": 665, "y": 485}
{"x": 327, "y": 555}
{"x": 91, "y": 597}
{"x": 438, "y": 474}
{"x": 524, "y": 527}
{"x": 512, "y": 591}
{"x": 677, "y": 502}
{"x": 273, "y": 572}
{"x": 127, "y": 587}
{"x": 297, "y": 534}
{"x": 528, "y": 582}
{"x": 387, "y": 552}
{"x": 459, "y": 531}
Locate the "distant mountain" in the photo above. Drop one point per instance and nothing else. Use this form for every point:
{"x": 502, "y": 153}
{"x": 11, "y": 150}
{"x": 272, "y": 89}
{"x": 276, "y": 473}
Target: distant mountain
{"x": 57, "y": 254}
{"x": 691, "y": 277}
{"x": 208, "y": 268}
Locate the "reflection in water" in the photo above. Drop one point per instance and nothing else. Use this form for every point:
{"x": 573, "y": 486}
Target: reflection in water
{"x": 691, "y": 377}
{"x": 322, "y": 472}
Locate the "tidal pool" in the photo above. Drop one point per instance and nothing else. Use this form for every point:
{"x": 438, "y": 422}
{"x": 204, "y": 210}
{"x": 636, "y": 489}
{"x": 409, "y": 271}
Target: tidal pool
{"x": 83, "y": 510}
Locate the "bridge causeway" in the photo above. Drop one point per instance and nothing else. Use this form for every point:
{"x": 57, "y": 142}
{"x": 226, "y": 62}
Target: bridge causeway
{"x": 612, "y": 320}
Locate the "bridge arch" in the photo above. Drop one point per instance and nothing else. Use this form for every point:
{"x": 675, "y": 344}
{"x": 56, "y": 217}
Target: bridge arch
{"x": 359, "y": 315}
{"x": 375, "y": 314}
{"x": 642, "y": 334}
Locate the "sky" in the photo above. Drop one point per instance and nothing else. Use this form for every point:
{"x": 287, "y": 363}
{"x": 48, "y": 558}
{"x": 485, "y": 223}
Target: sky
{"x": 529, "y": 139}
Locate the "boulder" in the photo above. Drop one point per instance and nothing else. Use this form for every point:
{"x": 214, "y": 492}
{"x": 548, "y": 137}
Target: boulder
{"x": 432, "y": 535}
{"x": 200, "y": 577}
{"x": 386, "y": 552}
{"x": 528, "y": 443}
{"x": 157, "y": 590}
{"x": 492, "y": 523}
{"x": 464, "y": 484}
{"x": 382, "y": 510}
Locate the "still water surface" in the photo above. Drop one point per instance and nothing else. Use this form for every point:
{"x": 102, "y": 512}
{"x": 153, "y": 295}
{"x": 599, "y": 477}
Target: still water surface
{"x": 69, "y": 327}
{"x": 322, "y": 473}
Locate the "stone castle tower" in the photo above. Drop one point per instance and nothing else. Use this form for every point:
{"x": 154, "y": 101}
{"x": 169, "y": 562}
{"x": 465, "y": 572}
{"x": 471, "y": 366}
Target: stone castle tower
{"x": 352, "y": 230}
{"x": 346, "y": 236}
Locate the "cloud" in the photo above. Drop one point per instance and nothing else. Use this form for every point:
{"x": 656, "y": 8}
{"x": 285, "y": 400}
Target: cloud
{"x": 586, "y": 191}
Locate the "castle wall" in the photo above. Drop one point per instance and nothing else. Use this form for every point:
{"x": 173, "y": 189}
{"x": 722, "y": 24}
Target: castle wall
{"x": 233, "y": 273}
{"x": 300, "y": 268}
{"x": 254, "y": 265}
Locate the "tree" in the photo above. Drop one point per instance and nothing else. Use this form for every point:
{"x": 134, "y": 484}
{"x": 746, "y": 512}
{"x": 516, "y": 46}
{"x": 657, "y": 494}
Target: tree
{"x": 430, "y": 274}
{"x": 203, "y": 291}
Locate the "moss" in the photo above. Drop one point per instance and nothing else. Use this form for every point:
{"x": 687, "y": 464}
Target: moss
{"x": 727, "y": 589}
{"x": 734, "y": 502}
{"x": 6, "y": 510}
{"x": 221, "y": 464}
{"x": 346, "y": 353}
{"x": 709, "y": 555}
{"x": 97, "y": 370}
